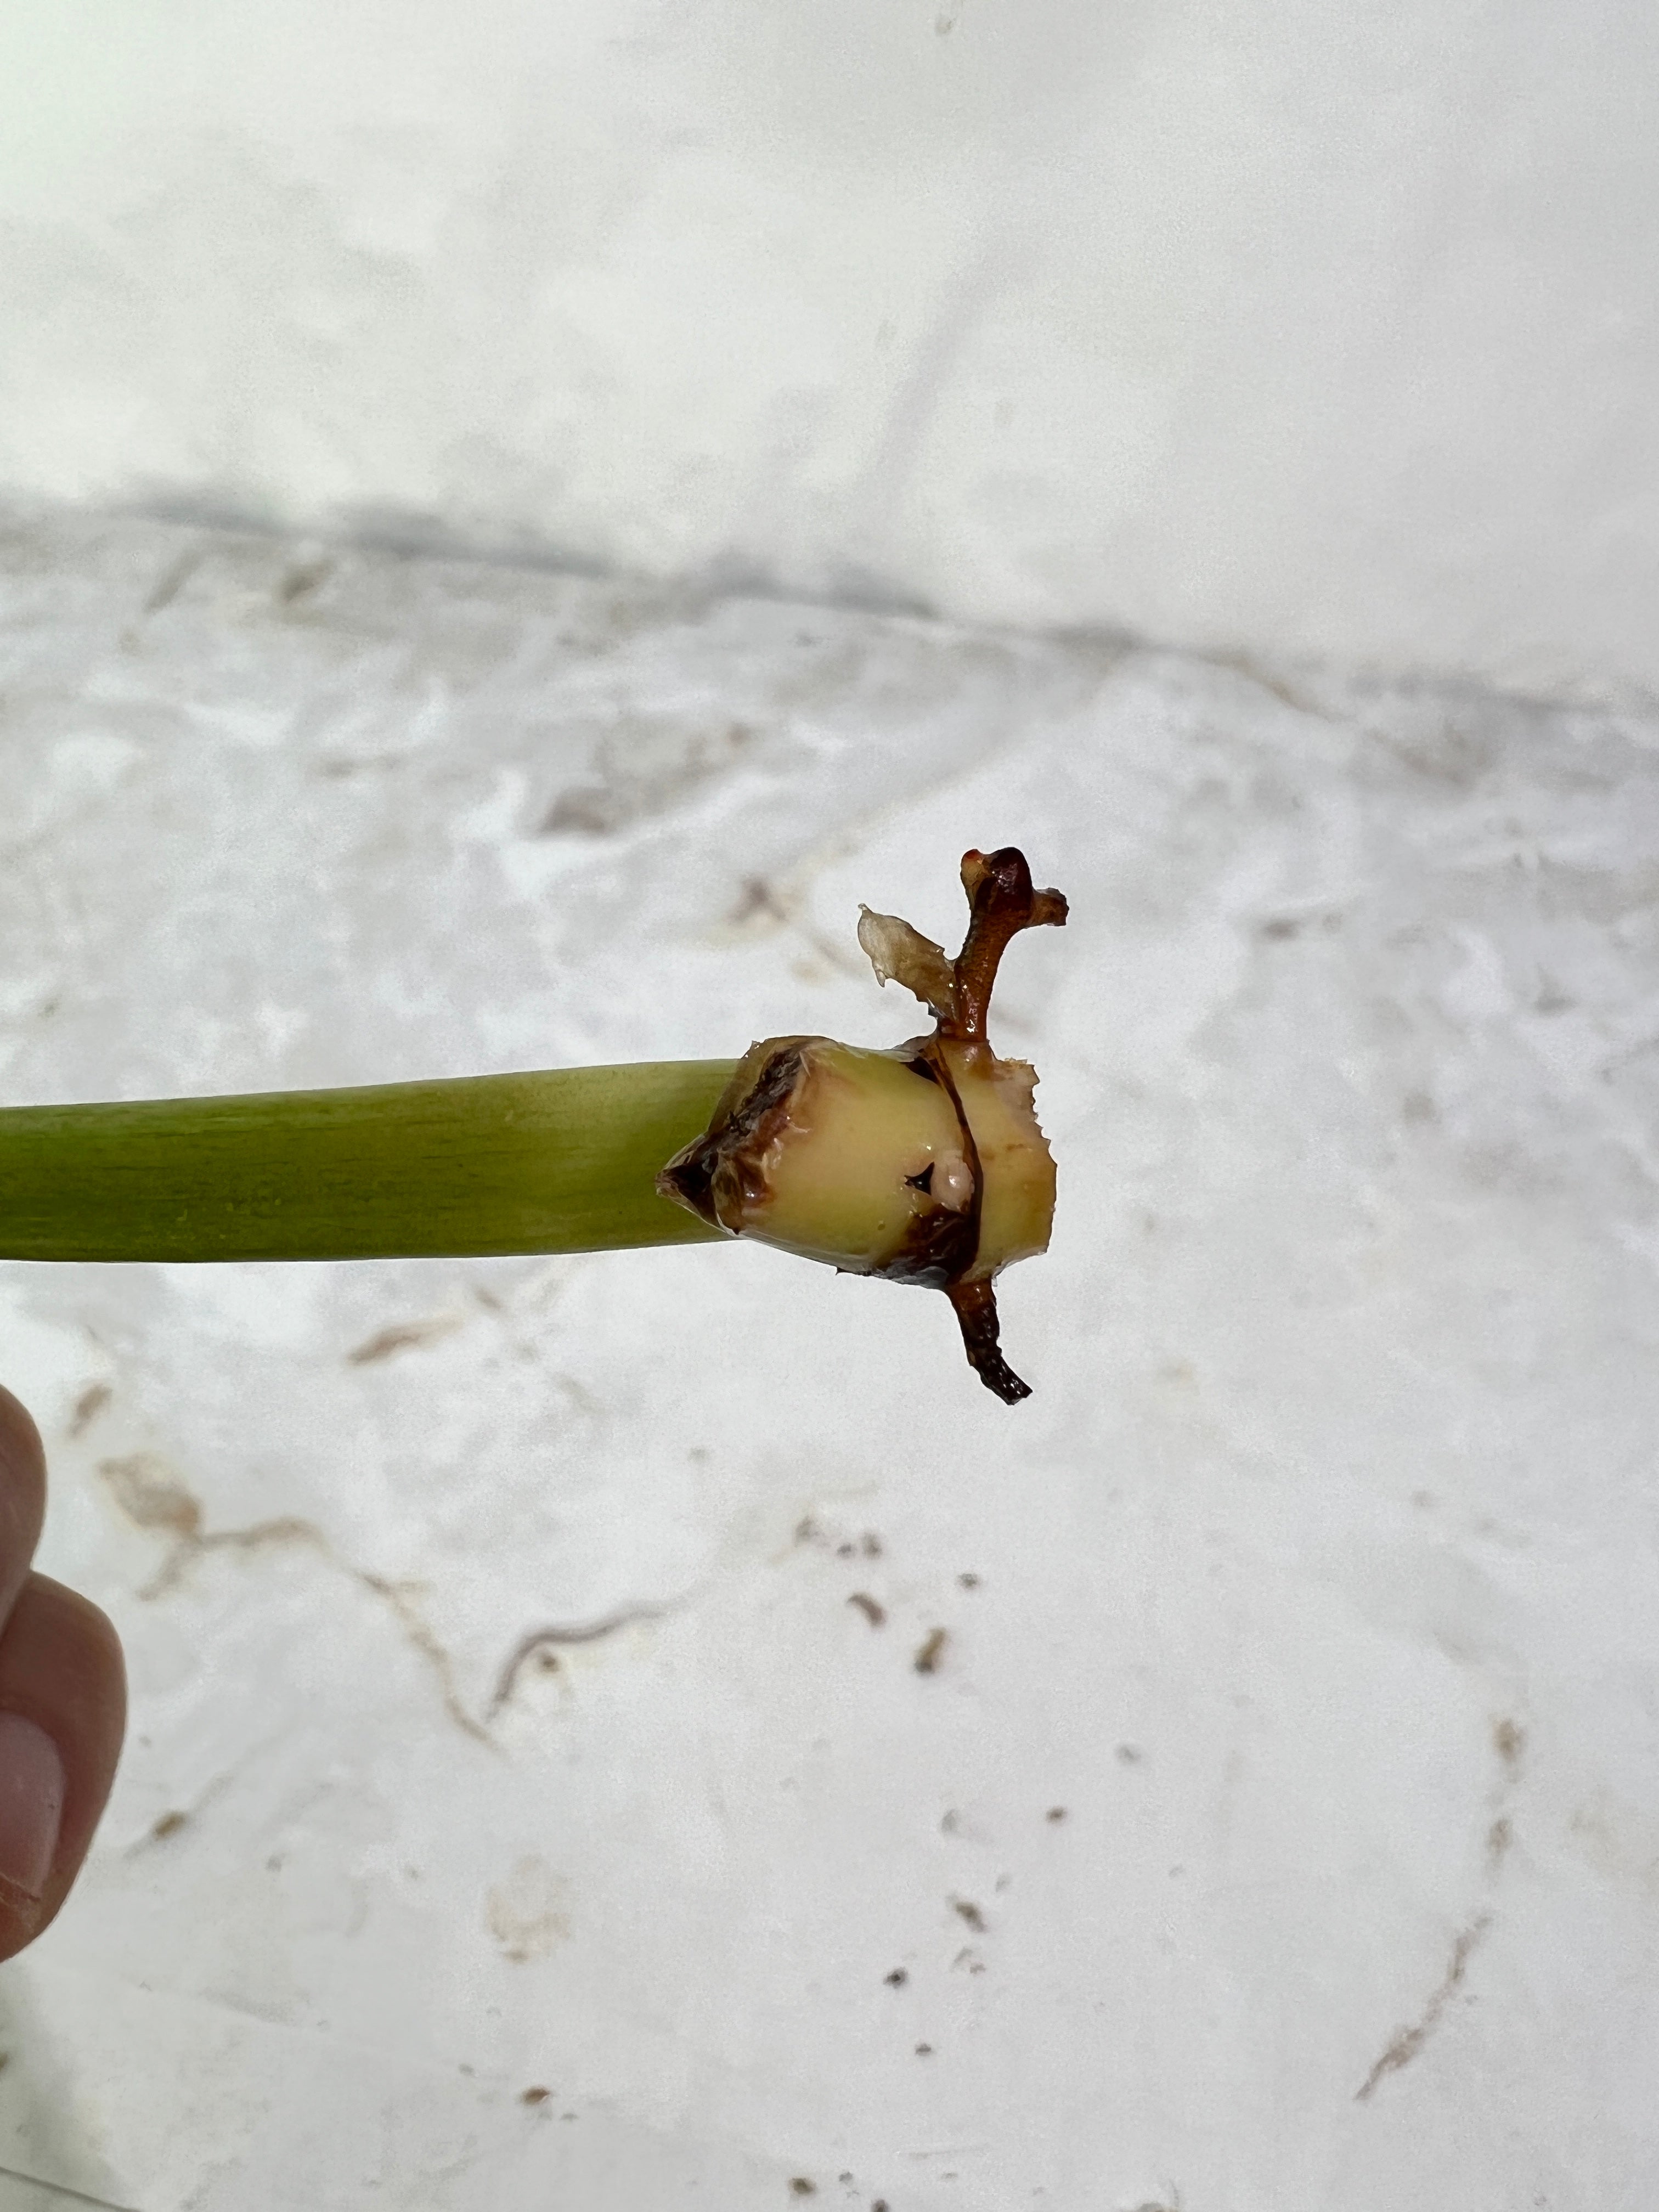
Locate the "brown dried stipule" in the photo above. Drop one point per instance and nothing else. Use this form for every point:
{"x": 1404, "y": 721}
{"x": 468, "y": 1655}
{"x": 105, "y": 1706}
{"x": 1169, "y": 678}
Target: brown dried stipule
{"x": 1002, "y": 901}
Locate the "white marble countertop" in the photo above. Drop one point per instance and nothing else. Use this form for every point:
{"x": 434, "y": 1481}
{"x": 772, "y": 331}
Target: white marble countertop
{"x": 1279, "y": 1829}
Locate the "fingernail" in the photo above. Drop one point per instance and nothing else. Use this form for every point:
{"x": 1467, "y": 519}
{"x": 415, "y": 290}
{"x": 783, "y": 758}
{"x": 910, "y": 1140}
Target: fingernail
{"x": 31, "y": 1805}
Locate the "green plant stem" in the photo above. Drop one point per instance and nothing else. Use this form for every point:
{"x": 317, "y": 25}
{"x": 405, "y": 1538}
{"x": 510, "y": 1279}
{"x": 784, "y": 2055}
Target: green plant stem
{"x": 564, "y": 1161}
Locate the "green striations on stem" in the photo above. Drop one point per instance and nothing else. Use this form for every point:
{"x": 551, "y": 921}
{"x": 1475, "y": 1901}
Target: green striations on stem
{"x": 562, "y": 1161}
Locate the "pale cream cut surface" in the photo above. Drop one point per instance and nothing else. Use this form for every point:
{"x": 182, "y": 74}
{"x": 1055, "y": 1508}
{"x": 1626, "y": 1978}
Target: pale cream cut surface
{"x": 837, "y": 1172}
{"x": 1017, "y": 1210}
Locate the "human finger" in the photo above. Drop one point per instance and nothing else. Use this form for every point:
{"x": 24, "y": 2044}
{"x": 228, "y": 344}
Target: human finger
{"x": 22, "y": 1497}
{"x": 63, "y": 1712}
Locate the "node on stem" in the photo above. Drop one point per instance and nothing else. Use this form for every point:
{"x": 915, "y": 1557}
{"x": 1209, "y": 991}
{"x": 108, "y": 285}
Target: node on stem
{"x": 923, "y": 1163}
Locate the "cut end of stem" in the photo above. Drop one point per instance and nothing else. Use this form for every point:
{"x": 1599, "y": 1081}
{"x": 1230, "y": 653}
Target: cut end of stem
{"x": 922, "y": 1165}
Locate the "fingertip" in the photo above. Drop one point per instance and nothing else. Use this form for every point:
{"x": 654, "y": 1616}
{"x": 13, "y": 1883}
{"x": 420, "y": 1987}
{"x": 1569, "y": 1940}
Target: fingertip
{"x": 22, "y": 1495}
{"x": 33, "y": 1788}
{"x": 63, "y": 1677}
{"x": 20, "y": 1440}
{"x": 86, "y": 1648}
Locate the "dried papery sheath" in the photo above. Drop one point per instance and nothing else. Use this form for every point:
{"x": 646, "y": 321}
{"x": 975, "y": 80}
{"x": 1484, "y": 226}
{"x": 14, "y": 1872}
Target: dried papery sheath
{"x": 923, "y": 1163}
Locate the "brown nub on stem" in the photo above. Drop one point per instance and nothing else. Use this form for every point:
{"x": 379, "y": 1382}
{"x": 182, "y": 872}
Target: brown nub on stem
{"x": 722, "y": 1164}
{"x": 1002, "y": 902}
{"x": 975, "y": 1308}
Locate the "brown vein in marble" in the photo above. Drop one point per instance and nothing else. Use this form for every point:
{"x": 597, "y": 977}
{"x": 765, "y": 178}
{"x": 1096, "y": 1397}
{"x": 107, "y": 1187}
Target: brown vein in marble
{"x": 1410, "y": 2040}
{"x": 548, "y": 1640}
{"x": 1510, "y": 1742}
{"x": 88, "y": 1407}
{"x": 401, "y": 1336}
{"x": 153, "y": 1498}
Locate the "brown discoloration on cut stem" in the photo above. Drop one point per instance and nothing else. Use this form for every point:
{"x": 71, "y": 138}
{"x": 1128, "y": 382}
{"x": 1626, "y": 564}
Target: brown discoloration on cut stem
{"x": 966, "y": 1249}
{"x": 716, "y": 1175}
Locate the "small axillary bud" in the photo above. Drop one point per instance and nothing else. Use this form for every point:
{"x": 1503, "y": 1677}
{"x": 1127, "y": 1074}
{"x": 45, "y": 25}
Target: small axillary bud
{"x": 923, "y": 1163}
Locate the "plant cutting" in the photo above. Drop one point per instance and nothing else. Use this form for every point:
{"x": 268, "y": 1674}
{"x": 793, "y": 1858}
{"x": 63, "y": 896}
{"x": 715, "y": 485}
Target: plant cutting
{"x": 921, "y": 1164}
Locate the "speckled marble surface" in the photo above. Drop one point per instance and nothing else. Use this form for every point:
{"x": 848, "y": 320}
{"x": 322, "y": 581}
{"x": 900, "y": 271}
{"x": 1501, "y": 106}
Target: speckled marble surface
{"x": 1279, "y": 1829}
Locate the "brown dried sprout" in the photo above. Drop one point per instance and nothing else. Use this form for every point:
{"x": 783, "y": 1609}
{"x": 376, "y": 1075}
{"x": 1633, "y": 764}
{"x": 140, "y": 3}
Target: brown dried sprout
{"x": 924, "y": 1164}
